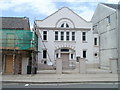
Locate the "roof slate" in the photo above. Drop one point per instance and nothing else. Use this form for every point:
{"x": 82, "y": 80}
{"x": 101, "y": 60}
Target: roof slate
{"x": 114, "y": 6}
{"x": 15, "y": 23}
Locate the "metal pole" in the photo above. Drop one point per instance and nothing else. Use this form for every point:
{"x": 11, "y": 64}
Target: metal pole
{"x": 32, "y": 64}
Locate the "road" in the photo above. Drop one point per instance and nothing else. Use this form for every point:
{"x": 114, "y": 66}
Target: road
{"x": 60, "y": 85}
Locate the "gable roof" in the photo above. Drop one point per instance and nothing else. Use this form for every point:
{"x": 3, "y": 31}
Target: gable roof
{"x": 63, "y": 9}
{"x": 15, "y": 23}
{"x": 103, "y": 10}
{"x": 114, "y": 6}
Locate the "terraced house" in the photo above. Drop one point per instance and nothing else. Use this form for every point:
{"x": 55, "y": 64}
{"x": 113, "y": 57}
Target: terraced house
{"x": 105, "y": 23}
{"x": 18, "y": 46}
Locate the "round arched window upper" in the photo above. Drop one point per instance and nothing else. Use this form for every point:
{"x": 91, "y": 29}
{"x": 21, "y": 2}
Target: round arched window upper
{"x": 64, "y": 25}
{"x": 67, "y": 25}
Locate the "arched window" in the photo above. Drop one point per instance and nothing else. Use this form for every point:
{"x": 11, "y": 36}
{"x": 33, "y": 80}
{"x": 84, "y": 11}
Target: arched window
{"x": 64, "y": 25}
{"x": 67, "y": 25}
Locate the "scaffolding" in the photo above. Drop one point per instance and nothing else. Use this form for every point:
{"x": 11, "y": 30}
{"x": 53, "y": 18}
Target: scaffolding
{"x": 18, "y": 39}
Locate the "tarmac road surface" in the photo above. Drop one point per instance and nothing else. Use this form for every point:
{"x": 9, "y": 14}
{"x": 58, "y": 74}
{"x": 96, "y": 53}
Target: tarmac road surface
{"x": 60, "y": 85}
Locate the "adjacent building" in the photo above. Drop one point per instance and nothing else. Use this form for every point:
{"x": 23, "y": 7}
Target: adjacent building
{"x": 18, "y": 46}
{"x": 118, "y": 10}
{"x": 66, "y": 35}
{"x": 105, "y": 24}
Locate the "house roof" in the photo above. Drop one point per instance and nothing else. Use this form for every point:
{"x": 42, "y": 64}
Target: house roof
{"x": 63, "y": 9}
{"x": 15, "y": 23}
{"x": 114, "y": 6}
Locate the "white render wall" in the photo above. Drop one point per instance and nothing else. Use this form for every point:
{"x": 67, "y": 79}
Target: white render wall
{"x": 96, "y": 49}
{"x": 118, "y": 34}
{"x": 78, "y": 45}
{"x": 107, "y": 34}
{"x": 64, "y": 13}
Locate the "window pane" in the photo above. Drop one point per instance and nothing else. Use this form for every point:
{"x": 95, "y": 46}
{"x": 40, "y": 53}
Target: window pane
{"x": 71, "y": 56}
{"x": 44, "y": 32}
{"x": 57, "y": 55}
{"x": 73, "y": 38}
{"x": 44, "y": 35}
{"x": 84, "y": 36}
{"x": 84, "y": 33}
{"x": 67, "y": 38}
{"x": 56, "y": 35}
{"x": 95, "y": 41}
{"x": 62, "y": 25}
{"x": 67, "y": 25}
{"x": 62, "y": 35}
{"x": 44, "y": 54}
{"x": 62, "y": 38}
{"x": 56, "y": 32}
{"x": 73, "y": 35}
{"x": 67, "y": 35}
{"x": 84, "y": 54}
{"x": 64, "y": 50}
{"x": 108, "y": 19}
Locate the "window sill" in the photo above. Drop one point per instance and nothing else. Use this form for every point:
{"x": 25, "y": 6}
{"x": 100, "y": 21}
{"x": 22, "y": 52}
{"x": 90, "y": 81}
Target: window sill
{"x": 66, "y": 41}
{"x": 44, "y": 59}
{"x": 96, "y": 46}
{"x": 96, "y": 56}
{"x": 84, "y": 41}
{"x": 44, "y": 41}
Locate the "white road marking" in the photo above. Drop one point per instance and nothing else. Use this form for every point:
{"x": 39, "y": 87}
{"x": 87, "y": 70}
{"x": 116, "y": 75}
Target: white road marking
{"x": 26, "y": 85}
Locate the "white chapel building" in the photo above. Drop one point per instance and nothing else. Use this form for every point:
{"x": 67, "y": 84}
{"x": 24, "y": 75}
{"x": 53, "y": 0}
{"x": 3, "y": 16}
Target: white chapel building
{"x": 66, "y": 35}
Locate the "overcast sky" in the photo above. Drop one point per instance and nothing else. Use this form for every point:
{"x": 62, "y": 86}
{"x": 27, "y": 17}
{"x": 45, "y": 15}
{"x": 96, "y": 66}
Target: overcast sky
{"x": 40, "y": 9}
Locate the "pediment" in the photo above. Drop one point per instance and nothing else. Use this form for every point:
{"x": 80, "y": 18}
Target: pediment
{"x": 64, "y": 14}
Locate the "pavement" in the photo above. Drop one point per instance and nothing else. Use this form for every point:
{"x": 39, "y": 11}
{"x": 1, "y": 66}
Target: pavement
{"x": 49, "y": 76}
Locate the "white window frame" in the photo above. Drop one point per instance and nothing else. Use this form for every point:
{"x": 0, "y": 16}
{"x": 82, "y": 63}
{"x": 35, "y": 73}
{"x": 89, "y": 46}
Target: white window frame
{"x": 85, "y": 54}
{"x": 56, "y": 35}
{"x": 45, "y": 55}
{"x": 65, "y": 24}
{"x": 67, "y": 36}
{"x": 62, "y": 35}
{"x": 95, "y": 41}
{"x": 72, "y": 56}
{"x": 84, "y": 36}
{"x": 73, "y": 35}
{"x": 108, "y": 20}
{"x": 45, "y": 35}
